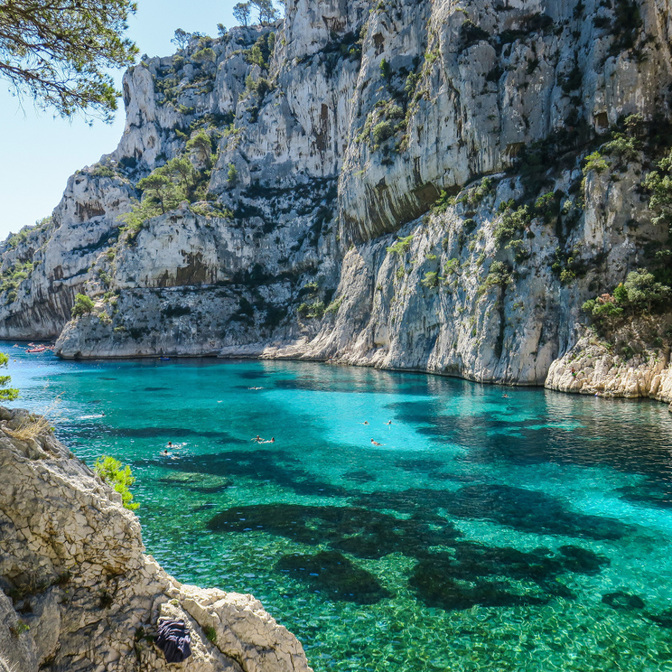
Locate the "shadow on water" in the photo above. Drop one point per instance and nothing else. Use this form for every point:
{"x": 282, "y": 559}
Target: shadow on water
{"x": 451, "y": 579}
{"x": 335, "y": 576}
{"x": 261, "y": 465}
{"x": 523, "y": 510}
{"x": 360, "y": 532}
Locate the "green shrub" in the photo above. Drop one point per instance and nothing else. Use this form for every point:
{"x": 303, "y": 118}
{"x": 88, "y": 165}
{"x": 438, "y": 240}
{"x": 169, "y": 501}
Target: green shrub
{"x": 6, "y": 394}
{"x": 232, "y": 174}
{"x": 476, "y": 194}
{"x": 451, "y": 266}
{"x": 546, "y": 207}
{"x": 639, "y": 294}
{"x": 443, "y": 202}
{"x": 499, "y": 275}
{"x": 596, "y": 162}
{"x": 401, "y": 246}
{"x": 624, "y": 147}
{"x": 210, "y": 633}
{"x": 382, "y": 131}
{"x": 385, "y": 70}
{"x": 101, "y": 170}
{"x": 512, "y": 224}
{"x": 334, "y": 307}
{"x": 83, "y": 305}
{"x": 430, "y": 279}
{"x": 206, "y": 55}
{"x": 118, "y": 476}
{"x": 312, "y": 310}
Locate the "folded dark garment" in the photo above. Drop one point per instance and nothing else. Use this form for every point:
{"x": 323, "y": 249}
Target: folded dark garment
{"x": 174, "y": 640}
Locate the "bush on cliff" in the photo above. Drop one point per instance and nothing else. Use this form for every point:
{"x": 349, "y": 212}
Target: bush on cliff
{"x": 639, "y": 294}
{"x": 83, "y": 305}
{"x": 118, "y": 476}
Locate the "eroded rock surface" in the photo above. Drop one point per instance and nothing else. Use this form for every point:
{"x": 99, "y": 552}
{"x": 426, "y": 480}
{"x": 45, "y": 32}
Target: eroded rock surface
{"x": 77, "y": 592}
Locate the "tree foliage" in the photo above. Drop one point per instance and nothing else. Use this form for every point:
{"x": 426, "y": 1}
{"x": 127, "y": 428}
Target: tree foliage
{"x": 58, "y": 52}
{"x": 265, "y": 10}
{"x": 241, "y": 13}
{"x": 176, "y": 181}
{"x": 118, "y": 476}
{"x": 83, "y": 305}
{"x": 6, "y": 393}
{"x": 639, "y": 294}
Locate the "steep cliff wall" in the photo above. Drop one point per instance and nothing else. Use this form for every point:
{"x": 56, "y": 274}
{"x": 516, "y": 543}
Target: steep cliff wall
{"x": 77, "y": 593}
{"x": 410, "y": 184}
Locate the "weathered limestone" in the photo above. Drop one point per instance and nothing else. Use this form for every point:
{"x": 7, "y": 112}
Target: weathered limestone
{"x": 77, "y": 592}
{"x": 589, "y": 368}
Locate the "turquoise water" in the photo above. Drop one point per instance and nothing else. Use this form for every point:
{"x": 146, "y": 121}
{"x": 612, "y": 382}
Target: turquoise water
{"x": 527, "y": 532}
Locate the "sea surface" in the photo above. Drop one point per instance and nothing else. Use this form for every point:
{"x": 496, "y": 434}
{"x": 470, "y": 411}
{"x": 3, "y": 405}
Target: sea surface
{"x": 499, "y": 529}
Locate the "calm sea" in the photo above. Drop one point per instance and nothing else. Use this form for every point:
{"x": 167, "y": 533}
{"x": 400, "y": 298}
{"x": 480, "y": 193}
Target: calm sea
{"x": 492, "y": 529}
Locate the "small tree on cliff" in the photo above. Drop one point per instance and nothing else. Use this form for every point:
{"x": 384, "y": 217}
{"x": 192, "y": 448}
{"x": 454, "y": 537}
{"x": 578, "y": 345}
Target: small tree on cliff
{"x": 118, "y": 476}
{"x": 241, "y": 13}
{"x": 267, "y": 13}
{"x": 83, "y": 305}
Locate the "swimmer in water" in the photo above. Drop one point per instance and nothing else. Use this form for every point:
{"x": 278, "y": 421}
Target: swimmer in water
{"x": 375, "y": 443}
{"x": 388, "y": 423}
{"x": 366, "y": 422}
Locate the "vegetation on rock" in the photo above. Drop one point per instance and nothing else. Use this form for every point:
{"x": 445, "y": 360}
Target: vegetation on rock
{"x": 118, "y": 476}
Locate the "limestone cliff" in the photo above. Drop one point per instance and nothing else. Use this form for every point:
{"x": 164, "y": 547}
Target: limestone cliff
{"x": 77, "y": 593}
{"x": 410, "y": 184}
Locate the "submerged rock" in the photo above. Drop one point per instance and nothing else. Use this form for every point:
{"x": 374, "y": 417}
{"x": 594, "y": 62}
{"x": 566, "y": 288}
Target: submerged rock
{"x": 337, "y": 577}
{"x": 77, "y": 592}
{"x": 623, "y": 601}
{"x": 360, "y": 532}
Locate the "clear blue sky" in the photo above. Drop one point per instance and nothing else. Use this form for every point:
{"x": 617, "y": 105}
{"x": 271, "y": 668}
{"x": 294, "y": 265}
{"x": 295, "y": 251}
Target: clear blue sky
{"x": 39, "y": 152}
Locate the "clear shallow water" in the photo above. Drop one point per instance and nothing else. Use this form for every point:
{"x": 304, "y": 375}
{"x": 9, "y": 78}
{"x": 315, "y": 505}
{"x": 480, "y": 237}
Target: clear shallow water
{"x": 523, "y": 533}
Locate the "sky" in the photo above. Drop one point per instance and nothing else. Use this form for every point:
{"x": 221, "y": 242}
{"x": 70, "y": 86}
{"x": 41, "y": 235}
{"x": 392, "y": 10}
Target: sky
{"x": 39, "y": 151}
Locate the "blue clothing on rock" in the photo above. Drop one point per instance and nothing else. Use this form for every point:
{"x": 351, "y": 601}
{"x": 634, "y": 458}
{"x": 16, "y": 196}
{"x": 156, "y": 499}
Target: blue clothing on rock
{"x": 174, "y": 640}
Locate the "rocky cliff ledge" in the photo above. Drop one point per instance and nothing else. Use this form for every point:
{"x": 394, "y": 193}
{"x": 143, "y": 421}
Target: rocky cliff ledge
{"x": 77, "y": 593}
{"x": 412, "y": 184}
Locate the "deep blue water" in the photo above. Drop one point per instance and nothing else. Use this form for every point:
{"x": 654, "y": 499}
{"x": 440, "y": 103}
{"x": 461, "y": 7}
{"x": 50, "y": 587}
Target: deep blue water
{"x": 522, "y": 532}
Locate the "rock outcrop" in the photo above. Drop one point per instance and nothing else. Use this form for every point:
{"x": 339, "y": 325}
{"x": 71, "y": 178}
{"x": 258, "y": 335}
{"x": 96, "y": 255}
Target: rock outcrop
{"x": 78, "y": 594}
{"x": 413, "y": 184}
{"x": 595, "y": 366}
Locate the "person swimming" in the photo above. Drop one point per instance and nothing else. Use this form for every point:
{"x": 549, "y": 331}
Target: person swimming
{"x": 258, "y": 439}
{"x": 375, "y": 443}
{"x": 388, "y": 423}
{"x": 366, "y": 422}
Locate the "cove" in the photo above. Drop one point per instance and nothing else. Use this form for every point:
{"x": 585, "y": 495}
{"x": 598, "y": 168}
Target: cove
{"x": 528, "y": 532}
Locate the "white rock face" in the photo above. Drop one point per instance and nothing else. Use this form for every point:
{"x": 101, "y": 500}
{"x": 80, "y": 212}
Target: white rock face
{"x": 77, "y": 593}
{"x": 335, "y": 133}
{"x": 589, "y": 368}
